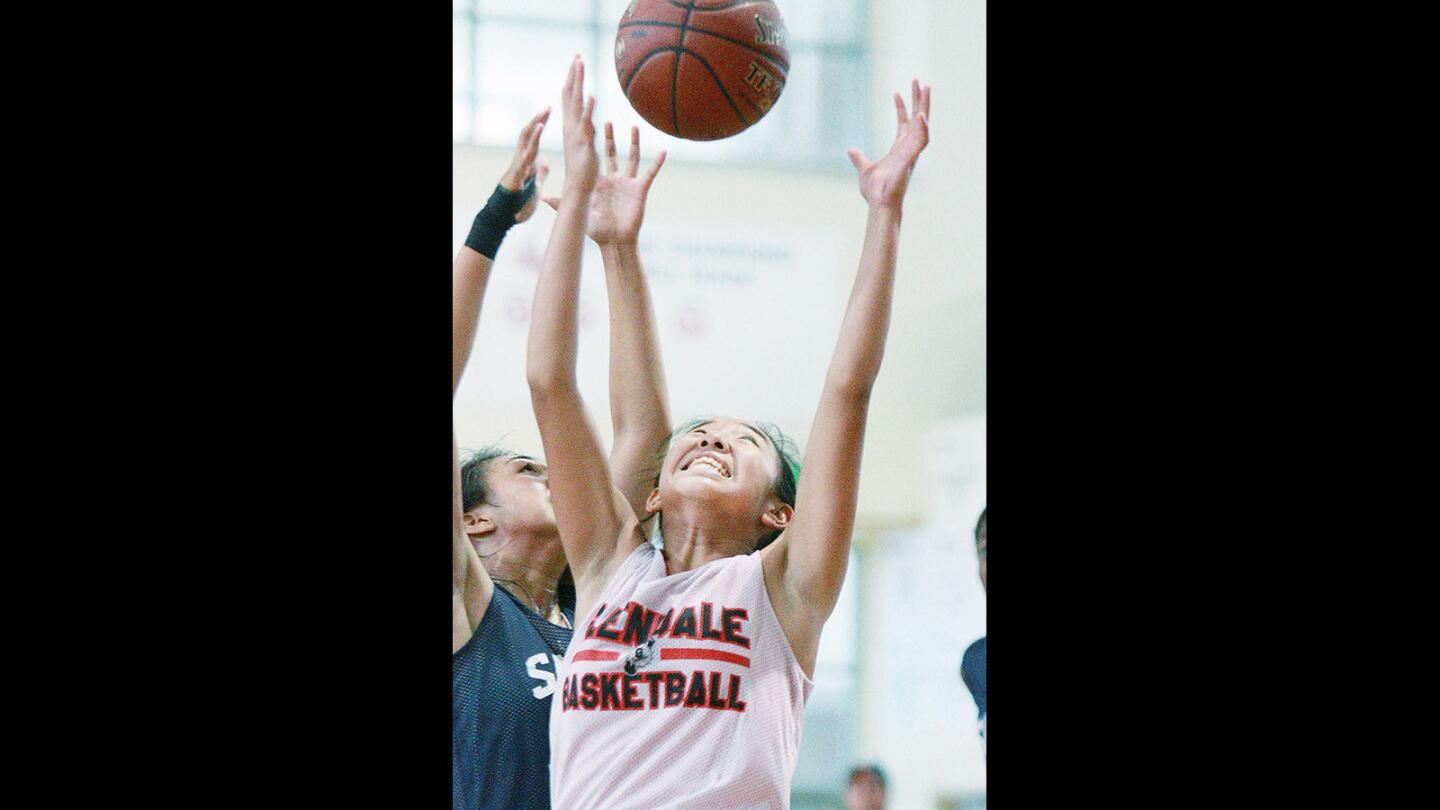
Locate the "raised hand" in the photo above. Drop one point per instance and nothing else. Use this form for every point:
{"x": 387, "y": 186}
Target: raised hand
{"x": 524, "y": 165}
{"x": 581, "y": 163}
{"x": 883, "y": 182}
{"x": 617, "y": 206}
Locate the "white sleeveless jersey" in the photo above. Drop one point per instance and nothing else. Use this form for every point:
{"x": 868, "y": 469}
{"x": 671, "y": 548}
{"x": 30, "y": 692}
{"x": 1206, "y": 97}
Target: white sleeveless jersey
{"x": 677, "y": 691}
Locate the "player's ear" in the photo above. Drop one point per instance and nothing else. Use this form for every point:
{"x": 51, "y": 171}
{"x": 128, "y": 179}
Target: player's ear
{"x": 652, "y": 501}
{"x": 477, "y": 526}
{"x": 777, "y": 516}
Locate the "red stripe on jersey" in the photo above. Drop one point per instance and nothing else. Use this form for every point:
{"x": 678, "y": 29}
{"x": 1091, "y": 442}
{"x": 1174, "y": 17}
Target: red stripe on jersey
{"x": 596, "y": 655}
{"x": 683, "y": 653}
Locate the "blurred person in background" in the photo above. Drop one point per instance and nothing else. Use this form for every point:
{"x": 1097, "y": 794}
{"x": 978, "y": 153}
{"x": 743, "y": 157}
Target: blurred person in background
{"x": 867, "y": 788}
{"x": 972, "y": 665}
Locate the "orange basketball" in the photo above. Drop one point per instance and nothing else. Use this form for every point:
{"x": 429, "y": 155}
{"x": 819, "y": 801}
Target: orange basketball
{"x": 701, "y": 69}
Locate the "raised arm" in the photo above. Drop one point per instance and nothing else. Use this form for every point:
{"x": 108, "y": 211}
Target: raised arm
{"x": 808, "y": 561}
{"x": 472, "y": 584}
{"x": 639, "y": 405}
{"x": 589, "y": 512}
{"x": 512, "y": 202}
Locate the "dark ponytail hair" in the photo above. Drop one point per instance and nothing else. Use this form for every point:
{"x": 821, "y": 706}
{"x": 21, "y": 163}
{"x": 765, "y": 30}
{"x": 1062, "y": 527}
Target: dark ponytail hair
{"x": 473, "y": 472}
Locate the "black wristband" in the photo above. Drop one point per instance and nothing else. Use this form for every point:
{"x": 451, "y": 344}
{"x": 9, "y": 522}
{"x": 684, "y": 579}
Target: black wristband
{"x": 497, "y": 217}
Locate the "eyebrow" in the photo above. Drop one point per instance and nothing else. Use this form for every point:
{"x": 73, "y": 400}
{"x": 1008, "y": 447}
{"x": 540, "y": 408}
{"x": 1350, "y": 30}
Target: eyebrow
{"x": 759, "y": 433}
{"x": 700, "y": 428}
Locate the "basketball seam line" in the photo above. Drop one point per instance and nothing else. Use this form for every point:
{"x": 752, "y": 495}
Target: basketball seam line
{"x": 643, "y": 62}
{"x": 726, "y": 93}
{"x": 724, "y": 7}
{"x": 675, "y": 78}
{"x": 784, "y": 64}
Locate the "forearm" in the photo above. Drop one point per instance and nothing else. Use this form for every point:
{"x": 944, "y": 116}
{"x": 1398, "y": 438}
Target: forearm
{"x": 459, "y": 545}
{"x": 554, "y": 323}
{"x": 472, "y": 266}
{"x": 819, "y": 535}
{"x": 587, "y": 510}
{"x": 639, "y": 410}
{"x": 470, "y": 275}
{"x": 861, "y": 345}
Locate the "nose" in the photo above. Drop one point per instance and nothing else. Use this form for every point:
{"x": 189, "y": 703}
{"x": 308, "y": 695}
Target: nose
{"x": 715, "y": 442}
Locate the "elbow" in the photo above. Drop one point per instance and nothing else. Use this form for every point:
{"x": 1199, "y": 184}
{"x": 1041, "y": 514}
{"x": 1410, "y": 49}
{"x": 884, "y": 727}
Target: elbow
{"x": 854, "y": 388}
{"x": 549, "y": 382}
{"x": 543, "y": 374}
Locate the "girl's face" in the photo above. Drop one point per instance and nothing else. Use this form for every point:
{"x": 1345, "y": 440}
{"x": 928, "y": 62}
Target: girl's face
{"x": 723, "y": 458}
{"x": 520, "y": 486}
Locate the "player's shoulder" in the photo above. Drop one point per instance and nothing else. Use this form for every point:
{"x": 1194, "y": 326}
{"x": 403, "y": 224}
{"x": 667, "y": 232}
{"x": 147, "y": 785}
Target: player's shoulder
{"x": 976, "y": 648}
{"x": 492, "y": 626}
{"x": 974, "y": 655}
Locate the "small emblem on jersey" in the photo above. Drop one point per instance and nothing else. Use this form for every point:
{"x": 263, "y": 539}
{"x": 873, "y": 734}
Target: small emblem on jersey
{"x": 641, "y": 657}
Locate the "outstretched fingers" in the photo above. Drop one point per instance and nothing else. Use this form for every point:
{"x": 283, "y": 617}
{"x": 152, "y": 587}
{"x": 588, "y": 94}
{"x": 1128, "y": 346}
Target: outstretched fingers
{"x": 530, "y": 141}
{"x": 919, "y": 103}
{"x": 610, "y": 167}
{"x": 857, "y": 159}
{"x": 916, "y": 128}
{"x": 635, "y": 151}
{"x": 567, "y": 91}
{"x": 654, "y": 167}
{"x": 574, "y": 90}
{"x": 922, "y": 132}
{"x": 528, "y": 134}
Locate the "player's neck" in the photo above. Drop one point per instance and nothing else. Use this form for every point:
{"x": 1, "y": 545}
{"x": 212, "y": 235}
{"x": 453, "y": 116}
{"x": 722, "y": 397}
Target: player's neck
{"x": 689, "y": 545}
{"x": 530, "y": 569}
{"x": 534, "y": 592}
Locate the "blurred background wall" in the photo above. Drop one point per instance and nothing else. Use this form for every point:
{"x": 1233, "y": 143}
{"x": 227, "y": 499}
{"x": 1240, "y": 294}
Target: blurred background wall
{"x": 751, "y": 246}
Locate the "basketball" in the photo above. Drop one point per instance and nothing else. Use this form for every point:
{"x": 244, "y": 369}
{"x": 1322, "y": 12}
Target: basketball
{"x": 702, "y": 69}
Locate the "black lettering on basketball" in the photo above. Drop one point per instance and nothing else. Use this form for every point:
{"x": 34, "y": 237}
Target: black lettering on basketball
{"x": 772, "y": 32}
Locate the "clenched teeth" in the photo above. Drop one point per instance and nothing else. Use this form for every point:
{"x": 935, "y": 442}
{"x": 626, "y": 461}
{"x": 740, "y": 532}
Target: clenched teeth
{"x": 712, "y": 463}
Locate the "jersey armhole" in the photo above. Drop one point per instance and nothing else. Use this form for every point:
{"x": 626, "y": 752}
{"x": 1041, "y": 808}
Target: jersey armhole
{"x": 808, "y": 682}
{"x": 629, "y": 559}
{"x": 475, "y": 634}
